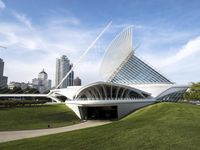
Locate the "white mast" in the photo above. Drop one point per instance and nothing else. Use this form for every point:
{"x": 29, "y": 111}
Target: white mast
{"x": 82, "y": 56}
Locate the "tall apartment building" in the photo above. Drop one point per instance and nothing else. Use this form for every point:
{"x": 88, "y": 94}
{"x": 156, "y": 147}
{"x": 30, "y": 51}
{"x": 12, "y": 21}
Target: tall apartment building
{"x": 63, "y": 66}
{"x": 3, "y": 79}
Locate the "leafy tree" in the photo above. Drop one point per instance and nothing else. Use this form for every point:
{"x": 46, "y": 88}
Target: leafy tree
{"x": 33, "y": 91}
{"x": 193, "y": 93}
{"x": 4, "y": 90}
{"x": 16, "y": 90}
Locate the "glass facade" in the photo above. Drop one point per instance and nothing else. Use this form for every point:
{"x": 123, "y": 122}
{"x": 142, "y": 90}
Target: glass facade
{"x": 173, "y": 94}
{"x": 135, "y": 71}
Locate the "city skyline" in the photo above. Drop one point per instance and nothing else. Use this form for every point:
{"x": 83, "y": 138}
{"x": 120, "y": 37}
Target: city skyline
{"x": 167, "y": 34}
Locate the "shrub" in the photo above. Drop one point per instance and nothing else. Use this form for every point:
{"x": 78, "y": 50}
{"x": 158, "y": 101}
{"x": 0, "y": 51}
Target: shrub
{"x": 14, "y": 103}
{"x": 193, "y": 93}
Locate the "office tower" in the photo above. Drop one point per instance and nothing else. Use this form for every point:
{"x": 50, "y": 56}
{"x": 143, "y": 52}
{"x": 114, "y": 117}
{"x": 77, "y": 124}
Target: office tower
{"x": 77, "y": 82}
{"x": 63, "y": 66}
{"x": 1, "y": 67}
{"x": 3, "y": 79}
{"x": 71, "y": 77}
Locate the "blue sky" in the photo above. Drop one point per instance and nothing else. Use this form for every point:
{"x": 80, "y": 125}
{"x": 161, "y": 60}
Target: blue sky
{"x": 36, "y": 32}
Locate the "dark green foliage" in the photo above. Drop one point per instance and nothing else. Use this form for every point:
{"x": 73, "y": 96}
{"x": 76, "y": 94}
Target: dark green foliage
{"x": 31, "y": 91}
{"x": 18, "y": 90}
{"x": 14, "y": 103}
{"x": 4, "y": 90}
{"x": 163, "y": 126}
{"x": 193, "y": 93}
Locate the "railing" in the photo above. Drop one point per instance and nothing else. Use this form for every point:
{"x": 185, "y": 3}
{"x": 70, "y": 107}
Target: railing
{"x": 109, "y": 99}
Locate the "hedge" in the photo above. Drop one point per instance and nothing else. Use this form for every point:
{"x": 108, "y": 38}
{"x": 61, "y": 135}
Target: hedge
{"x": 15, "y": 103}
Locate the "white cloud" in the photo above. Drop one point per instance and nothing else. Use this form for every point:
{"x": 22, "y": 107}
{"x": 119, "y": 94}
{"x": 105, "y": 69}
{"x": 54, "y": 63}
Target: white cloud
{"x": 192, "y": 47}
{"x": 2, "y": 5}
{"x": 63, "y": 20}
{"x": 62, "y": 16}
{"x": 181, "y": 66}
{"x": 23, "y": 18}
{"x": 31, "y": 48}
{"x": 13, "y": 35}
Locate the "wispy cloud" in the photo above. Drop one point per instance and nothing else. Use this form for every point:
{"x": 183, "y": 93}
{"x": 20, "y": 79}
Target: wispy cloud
{"x": 2, "y": 5}
{"x": 182, "y": 65}
{"x": 36, "y": 47}
{"x": 32, "y": 47}
{"x": 189, "y": 49}
{"x": 63, "y": 20}
{"x": 24, "y": 19}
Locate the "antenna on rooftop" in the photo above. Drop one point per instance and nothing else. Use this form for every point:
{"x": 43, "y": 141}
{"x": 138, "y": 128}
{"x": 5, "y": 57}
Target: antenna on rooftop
{"x": 82, "y": 56}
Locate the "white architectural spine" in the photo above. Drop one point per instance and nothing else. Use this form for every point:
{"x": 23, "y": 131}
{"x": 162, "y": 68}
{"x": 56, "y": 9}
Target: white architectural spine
{"x": 82, "y": 56}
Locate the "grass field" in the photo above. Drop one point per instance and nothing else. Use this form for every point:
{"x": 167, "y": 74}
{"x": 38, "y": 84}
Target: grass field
{"x": 171, "y": 126}
{"x": 36, "y": 117}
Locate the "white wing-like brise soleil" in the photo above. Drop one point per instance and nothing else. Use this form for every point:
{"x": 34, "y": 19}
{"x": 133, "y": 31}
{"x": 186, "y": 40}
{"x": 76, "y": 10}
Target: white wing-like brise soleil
{"x": 117, "y": 51}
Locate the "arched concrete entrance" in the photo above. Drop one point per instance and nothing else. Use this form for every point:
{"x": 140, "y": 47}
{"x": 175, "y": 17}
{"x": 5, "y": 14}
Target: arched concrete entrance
{"x": 99, "y": 112}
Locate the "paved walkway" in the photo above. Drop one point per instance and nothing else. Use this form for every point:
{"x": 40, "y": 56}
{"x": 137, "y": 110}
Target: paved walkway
{"x": 6, "y": 136}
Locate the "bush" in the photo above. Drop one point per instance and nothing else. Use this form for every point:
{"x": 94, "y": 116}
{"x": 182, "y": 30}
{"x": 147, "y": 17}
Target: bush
{"x": 193, "y": 93}
{"x": 14, "y": 103}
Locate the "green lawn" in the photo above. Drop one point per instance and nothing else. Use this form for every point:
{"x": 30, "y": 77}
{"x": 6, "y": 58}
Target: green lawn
{"x": 171, "y": 126}
{"x": 36, "y": 117}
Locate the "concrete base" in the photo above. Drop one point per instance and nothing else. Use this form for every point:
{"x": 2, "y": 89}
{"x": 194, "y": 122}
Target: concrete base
{"x": 124, "y": 107}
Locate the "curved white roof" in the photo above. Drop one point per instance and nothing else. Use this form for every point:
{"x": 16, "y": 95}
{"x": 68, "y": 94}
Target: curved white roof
{"x": 68, "y": 92}
{"x": 111, "y": 84}
{"x": 117, "y": 51}
{"x": 72, "y": 92}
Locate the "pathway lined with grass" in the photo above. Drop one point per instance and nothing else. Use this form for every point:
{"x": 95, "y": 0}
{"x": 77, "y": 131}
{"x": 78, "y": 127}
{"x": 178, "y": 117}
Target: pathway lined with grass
{"x": 16, "y": 135}
{"x": 161, "y": 126}
{"x": 36, "y": 117}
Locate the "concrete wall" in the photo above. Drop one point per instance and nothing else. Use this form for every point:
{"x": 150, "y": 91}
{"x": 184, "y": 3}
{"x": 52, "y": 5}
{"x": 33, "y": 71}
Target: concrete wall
{"x": 124, "y": 106}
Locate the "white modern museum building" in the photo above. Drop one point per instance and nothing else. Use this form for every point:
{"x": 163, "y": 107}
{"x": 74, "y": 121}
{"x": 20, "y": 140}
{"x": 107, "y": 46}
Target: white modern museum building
{"x": 130, "y": 83}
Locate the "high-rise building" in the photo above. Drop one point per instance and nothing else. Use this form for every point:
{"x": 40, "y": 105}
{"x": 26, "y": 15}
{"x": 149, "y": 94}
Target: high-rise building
{"x": 77, "y": 82}
{"x": 1, "y": 67}
{"x": 63, "y": 66}
{"x": 71, "y": 77}
{"x": 3, "y": 79}
{"x": 42, "y": 84}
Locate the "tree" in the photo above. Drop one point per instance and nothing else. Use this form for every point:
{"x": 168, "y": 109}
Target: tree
{"x": 4, "y": 90}
{"x": 16, "y": 90}
{"x": 193, "y": 93}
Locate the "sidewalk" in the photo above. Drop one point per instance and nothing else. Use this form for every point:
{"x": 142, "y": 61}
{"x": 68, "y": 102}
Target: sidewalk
{"x": 6, "y": 136}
